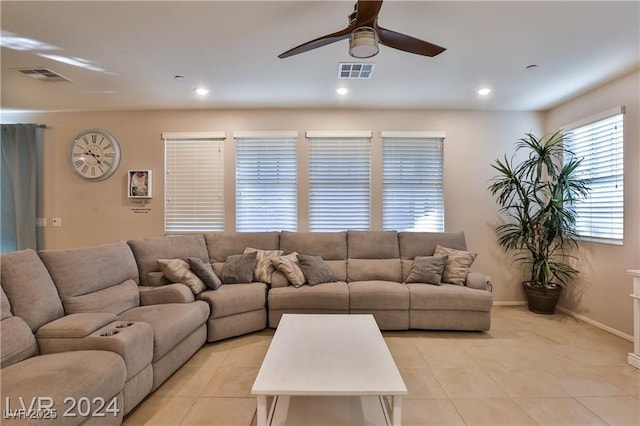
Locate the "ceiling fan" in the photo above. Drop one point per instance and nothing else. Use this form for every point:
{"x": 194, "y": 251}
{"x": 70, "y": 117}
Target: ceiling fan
{"x": 364, "y": 33}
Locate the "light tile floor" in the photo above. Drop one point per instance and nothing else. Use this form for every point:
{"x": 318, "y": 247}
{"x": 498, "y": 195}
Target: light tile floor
{"x": 528, "y": 369}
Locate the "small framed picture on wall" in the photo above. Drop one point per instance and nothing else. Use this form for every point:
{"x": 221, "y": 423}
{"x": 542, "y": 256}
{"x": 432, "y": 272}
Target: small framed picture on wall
{"x": 140, "y": 184}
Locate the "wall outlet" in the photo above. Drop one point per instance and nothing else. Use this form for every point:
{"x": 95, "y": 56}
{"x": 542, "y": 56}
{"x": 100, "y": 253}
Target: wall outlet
{"x": 41, "y": 222}
{"x": 56, "y": 221}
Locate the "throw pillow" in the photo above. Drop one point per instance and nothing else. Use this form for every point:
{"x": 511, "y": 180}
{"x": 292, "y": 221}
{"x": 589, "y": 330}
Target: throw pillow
{"x": 458, "y": 264}
{"x": 427, "y": 269}
{"x": 238, "y": 268}
{"x": 156, "y": 279}
{"x": 264, "y": 268}
{"x": 314, "y": 269}
{"x": 177, "y": 270}
{"x": 204, "y": 271}
{"x": 290, "y": 267}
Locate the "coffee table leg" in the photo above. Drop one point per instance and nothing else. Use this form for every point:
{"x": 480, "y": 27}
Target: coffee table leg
{"x": 397, "y": 411}
{"x": 262, "y": 410}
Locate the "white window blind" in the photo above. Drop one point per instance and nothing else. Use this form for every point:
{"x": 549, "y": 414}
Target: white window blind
{"x": 194, "y": 183}
{"x": 339, "y": 182}
{"x": 266, "y": 184}
{"x": 599, "y": 143}
{"x": 413, "y": 192}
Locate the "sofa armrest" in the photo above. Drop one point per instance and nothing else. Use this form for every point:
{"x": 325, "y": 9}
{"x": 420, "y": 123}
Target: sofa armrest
{"x": 170, "y": 293}
{"x": 478, "y": 281}
{"x": 75, "y": 325}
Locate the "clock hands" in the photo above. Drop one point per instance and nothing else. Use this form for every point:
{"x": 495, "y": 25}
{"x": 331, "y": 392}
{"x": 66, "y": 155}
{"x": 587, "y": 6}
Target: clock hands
{"x": 97, "y": 157}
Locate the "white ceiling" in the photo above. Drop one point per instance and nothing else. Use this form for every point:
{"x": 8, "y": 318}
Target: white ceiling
{"x": 137, "y": 47}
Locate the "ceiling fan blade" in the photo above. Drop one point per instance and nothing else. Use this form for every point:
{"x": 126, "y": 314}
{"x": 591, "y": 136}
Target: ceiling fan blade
{"x": 407, "y": 43}
{"x": 367, "y": 12}
{"x": 318, "y": 42}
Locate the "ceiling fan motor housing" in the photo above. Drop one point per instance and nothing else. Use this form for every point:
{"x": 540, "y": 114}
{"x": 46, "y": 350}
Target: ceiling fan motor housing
{"x": 363, "y": 43}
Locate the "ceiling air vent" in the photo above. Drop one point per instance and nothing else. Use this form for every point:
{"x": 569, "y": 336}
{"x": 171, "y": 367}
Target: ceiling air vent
{"x": 43, "y": 74}
{"x": 352, "y": 70}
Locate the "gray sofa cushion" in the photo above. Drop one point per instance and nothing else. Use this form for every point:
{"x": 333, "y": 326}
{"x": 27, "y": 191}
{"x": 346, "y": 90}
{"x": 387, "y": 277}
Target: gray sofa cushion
{"x": 373, "y": 245}
{"x": 449, "y": 297}
{"x": 147, "y": 251}
{"x": 327, "y": 296}
{"x": 374, "y": 269}
{"x": 204, "y": 271}
{"x": 170, "y": 322}
{"x": 5, "y": 306}
{"x": 80, "y": 272}
{"x": 427, "y": 269}
{"x": 115, "y": 300}
{"x": 238, "y": 268}
{"x": 314, "y": 269}
{"x": 78, "y": 374}
{"x": 30, "y": 289}
{"x": 221, "y": 245}
{"x": 414, "y": 244}
{"x": 235, "y": 299}
{"x": 378, "y": 295}
{"x": 18, "y": 342}
{"x": 332, "y": 246}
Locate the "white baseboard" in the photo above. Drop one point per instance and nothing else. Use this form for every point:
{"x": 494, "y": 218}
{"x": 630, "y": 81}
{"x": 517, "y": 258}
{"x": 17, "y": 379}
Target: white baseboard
{"x": 601, "y": 326}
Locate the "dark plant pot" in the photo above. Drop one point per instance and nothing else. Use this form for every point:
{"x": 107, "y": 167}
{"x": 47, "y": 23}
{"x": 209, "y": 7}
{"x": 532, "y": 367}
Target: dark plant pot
{"x": 542, "y": 301}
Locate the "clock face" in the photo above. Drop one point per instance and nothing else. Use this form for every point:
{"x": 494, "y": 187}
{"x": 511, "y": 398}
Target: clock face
{"x": 94, "y": 155}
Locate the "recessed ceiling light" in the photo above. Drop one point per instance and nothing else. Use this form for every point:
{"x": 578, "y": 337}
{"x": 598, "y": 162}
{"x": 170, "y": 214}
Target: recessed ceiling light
{"x": 484, "y": 91}
{"x": 201, "y": 91}
{"x": 342, "y": 91}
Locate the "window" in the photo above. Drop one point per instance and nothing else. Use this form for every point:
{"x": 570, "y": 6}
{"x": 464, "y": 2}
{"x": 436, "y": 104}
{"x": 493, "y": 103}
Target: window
{"x": 599, "y": 142}
{"x": 339, "y": 181}
{"x": 194, "y": 182}
{"x": 266, "y": 184}
{"x": 413, "y": 193}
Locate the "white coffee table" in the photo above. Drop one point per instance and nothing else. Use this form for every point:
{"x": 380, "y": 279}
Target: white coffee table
{"x": 314, "y": 359}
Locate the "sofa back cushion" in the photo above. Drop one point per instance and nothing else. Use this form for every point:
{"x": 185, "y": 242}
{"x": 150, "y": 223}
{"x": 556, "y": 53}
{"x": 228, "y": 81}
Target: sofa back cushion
{"x": 373, "y": 256}
{"x": 147, "y": 251}
{"x": 29, "y": 288}
{"x": 17, "y": 342}
{"x": 331, "y": 246}
{"x": 221, "y": 245}
{"x": 373, "y": 245}
{"x": 84, "y": 276}
{"x": 413, "y": 244}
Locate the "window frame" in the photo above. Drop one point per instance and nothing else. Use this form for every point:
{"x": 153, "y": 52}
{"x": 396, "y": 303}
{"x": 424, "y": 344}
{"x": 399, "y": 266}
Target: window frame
{"x": 615, "y": 216}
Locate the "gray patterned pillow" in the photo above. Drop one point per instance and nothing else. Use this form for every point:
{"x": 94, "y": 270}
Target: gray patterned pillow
{"x": 264, "y": 268}
{"x": 204, "y": 271}
{"x": 177, "y": 271}
{"x": 314, "y": 268}
{"x": 238, "y": 268}
{"x": 290, "y": 267}
{"x": 427, "y": 269}
{"x": 458, "y": 264}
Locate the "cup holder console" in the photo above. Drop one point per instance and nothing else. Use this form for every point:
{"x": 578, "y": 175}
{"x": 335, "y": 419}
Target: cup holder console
{"x": 118, "y": 328}
{"x": 124, "y": 325}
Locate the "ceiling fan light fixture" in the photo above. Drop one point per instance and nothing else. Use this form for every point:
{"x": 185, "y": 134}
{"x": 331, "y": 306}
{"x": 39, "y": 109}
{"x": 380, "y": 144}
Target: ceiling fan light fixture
{"x": 363, "y": 43}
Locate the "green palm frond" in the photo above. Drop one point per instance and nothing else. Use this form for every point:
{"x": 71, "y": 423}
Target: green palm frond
{"x": 537, "y": 196}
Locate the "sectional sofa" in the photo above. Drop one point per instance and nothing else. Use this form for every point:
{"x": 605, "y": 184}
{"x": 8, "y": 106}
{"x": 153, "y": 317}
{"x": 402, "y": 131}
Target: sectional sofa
{"x": 87, "y": 333}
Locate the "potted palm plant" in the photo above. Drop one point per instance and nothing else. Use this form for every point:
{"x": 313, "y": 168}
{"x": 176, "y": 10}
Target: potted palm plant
{"x": 536, "y": 196}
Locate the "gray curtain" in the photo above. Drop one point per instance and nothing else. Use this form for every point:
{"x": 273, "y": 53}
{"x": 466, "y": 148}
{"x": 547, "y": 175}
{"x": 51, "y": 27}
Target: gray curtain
{"x": 20, "y": 154}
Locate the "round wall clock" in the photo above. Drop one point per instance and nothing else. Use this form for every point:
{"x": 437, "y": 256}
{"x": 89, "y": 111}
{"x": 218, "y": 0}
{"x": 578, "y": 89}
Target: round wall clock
{"x": 94, "y": 155}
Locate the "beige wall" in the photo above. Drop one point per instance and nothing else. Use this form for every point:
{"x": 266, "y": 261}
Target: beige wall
{"x": 602, "y": 291}
{"x": 99, "y": 212}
